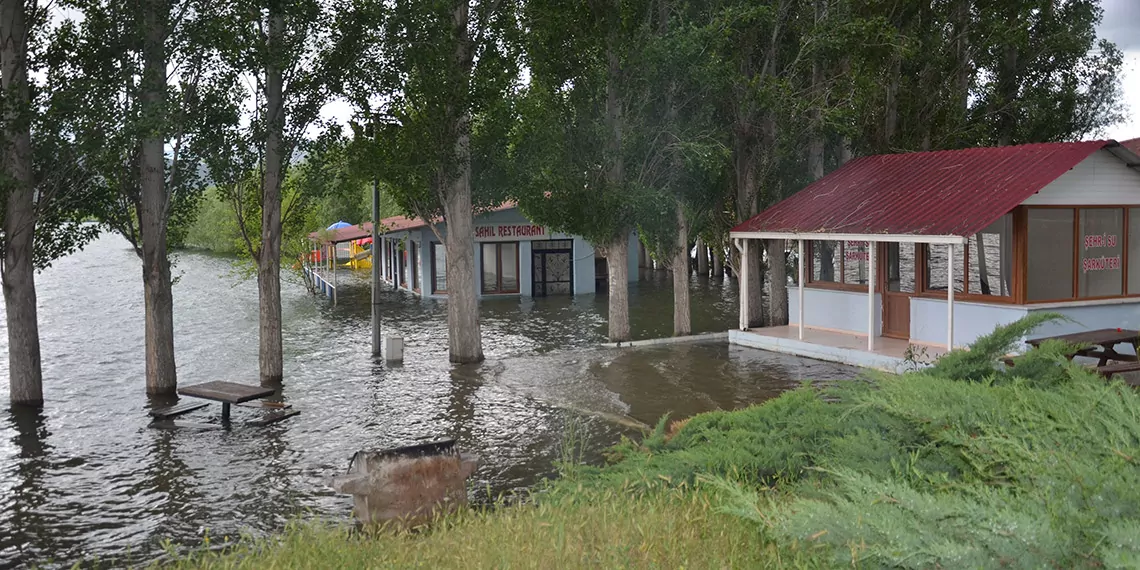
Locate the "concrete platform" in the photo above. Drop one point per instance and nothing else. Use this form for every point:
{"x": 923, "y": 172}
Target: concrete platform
{"x": 890, "y": 355}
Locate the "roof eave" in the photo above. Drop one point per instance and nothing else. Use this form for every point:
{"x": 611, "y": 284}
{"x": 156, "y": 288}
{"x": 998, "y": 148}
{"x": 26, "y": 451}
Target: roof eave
{"x": 825, "y": 236}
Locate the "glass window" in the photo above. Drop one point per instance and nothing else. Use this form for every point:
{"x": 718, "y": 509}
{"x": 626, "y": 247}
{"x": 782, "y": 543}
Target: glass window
{"x": 938, "y": 264}
{"x": 1050, "y": 243}
{"x": 1134, "y": 251}
{"x": 990, "y": 263}
{"x": 900, "y": 267}
{"x": 490, "y": 268}
{"x": 856, "y": 262}
{"x": 1100, "y": 270}
{"x": 415, "y": 267}
{"x": 501, "y": 267}
{"x": 509, "y": 267}
{"x": 438, "y": 268}
{"x": 825, "y": 265}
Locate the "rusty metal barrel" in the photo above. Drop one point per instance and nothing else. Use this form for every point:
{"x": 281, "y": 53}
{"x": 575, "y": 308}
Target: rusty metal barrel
{"x": 409, "y": 485}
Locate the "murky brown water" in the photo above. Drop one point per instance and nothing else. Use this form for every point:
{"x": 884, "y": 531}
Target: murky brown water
{"x": 88, "y": 479}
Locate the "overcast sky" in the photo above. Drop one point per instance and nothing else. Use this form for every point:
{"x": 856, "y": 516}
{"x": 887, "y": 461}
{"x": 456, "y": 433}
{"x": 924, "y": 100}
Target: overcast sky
{"x": 1122, "y": 25}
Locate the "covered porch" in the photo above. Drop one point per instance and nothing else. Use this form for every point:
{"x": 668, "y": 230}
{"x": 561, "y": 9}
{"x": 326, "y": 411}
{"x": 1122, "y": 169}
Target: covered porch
{"x": 901, "y": 258}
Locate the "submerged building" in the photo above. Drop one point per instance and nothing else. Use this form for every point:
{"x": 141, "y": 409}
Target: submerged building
{"x": 513, "y": 256}
{"x": 930, "y": 250}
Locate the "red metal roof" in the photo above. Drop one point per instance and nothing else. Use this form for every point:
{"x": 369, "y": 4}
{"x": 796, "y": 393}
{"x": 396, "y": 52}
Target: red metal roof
{"x": 1132, "y": 145}
{"x": 938, "y": 193}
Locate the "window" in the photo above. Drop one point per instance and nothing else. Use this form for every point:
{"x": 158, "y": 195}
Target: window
{"x": 1100, "y": 270}
{"x": 1133, "y": 252}
{"x": 900, "y": 267}
{"x": 826, "y": 261}
{"x": 840, "y": 262}
{"x": 500, "y": 267}
{"x": 937, "y": 267}
{"x": 438, "y": 268}
{"x": 415, "y": 266}
{"x": 989, "y": 259}
{"x": 1050, "y": 255}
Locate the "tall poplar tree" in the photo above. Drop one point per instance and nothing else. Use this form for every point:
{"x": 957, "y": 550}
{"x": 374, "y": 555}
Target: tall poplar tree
{"x": 430, "y": 90}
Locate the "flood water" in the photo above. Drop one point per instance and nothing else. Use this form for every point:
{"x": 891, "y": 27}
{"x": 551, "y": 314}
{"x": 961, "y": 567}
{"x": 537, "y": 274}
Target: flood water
{"x": 87, "y": 478}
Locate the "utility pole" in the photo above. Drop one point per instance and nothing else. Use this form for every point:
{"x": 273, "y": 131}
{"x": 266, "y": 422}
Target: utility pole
{"x": 376, "y": 259}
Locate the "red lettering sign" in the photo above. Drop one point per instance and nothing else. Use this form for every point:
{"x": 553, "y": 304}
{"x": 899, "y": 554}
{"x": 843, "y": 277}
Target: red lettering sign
{"x": 1100, "y": 240}
{"x": 1100, "y": 264}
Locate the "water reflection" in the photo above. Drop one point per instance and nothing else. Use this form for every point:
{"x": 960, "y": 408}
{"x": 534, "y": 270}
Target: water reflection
{"x": 102, "y": 483}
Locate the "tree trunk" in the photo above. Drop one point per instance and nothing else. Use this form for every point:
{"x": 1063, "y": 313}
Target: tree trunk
{"x": 464, "y": 338}
{"x": 17, "y": 271}
{"x": 270, "y": 355}
{"x": 717, "y": 264}
{"x": 777, "y": 282}
{"x": 682, "y": 322}
{"x": 617, "y": 267}
{"x": 702, "y": 258}
{"x": 891, "y": 113}
{"x": 617, "y": 253}
{"x": 465, "y": 342}
{"x": 159, "y": 300}
{"x": 745, "y": 160}
{"x": 642, "y": 256}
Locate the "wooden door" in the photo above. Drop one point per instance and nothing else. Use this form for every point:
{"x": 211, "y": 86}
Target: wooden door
{"x": 897, "y": 281}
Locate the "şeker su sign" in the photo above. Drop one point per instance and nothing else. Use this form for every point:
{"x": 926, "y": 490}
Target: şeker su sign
{"x": 510, "y": 232}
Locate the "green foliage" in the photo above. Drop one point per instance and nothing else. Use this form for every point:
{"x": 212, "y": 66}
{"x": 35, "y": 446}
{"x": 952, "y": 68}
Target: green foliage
{"x": 960, "y": 465}
{"x": 610, "y": 528}
{"x": 977, "y": 363}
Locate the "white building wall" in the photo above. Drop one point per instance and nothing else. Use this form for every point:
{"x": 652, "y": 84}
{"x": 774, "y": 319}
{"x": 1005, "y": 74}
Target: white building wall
{"x": 971, "y": 320}
{"x": 835, "y": 310}
{"x": 583, "y": 267}
{"x": 1100, "y": 179}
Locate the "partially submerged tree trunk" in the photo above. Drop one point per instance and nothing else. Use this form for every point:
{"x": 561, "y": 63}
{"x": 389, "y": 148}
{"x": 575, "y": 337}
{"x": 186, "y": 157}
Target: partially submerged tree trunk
{"x": 702, "y": 257}
{"x": 745, "y": 161}
{"x": 270, "y": 355}
{"x": 617, "y": 253}
{"x": 18, "y": 267}
{"x": 777, "y": 282}
{"x": 465, "y": 343}
{"x": 717, "y": 264}
{"x": 682, "y": 325}
{"x": 152, "y": 210}
{"x": 617, "y": 265}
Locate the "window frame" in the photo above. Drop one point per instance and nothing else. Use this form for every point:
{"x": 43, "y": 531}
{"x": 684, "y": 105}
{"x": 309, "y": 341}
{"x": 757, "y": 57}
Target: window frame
{"x": 962, "y": 251}
{"x": 498, "y": 245}
{"x": 1124, "y": 261}
{"x": 809, "y": 259}
{"x": 435, "y": 274}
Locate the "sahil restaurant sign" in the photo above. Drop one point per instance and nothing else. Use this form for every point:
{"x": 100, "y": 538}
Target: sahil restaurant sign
{"x": 510, "y": 232}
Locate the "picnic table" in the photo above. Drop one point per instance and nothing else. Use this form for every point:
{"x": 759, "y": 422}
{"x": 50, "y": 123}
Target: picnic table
{"x": 227, "y": 393}
{"x": 1100, "y": 344}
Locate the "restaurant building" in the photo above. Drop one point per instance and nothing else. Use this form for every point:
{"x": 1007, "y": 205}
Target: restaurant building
{"x": 513, "y": 257}
{"x": 918, "y": 252}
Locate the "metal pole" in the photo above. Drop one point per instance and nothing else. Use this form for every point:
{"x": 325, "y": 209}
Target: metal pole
{"x": 800, "y": 292}
{"x": 375, "y": 268}
{"x": 334, "y": 254}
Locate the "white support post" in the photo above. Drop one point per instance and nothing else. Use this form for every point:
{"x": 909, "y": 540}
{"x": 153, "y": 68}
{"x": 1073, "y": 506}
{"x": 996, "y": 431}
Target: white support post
{"x": 334, "y": 273}
{"x": 800, "y": 292}
{"x": 870, "y": 296}
{"x": 743, "y": 279}
{"x": 950, "y": 297}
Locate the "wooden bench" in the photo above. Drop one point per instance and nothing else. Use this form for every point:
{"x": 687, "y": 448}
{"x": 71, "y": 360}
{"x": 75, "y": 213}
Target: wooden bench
{"x": 175, "y": 411}
{"x": 1109, "y": 370}
{"x": 273, "y": 417}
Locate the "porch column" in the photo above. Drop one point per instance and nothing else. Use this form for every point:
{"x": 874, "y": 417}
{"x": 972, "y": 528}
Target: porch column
{"x": 800, "y": 289}
{"x": 870, "y": 296}
{"x": 743, "y": 279}
{"x": 950, "y": 297}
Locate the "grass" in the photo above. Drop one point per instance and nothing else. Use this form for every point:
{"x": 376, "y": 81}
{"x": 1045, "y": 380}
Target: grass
{"x": 612, "y": 528}
{"x": 961, "y": 465}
